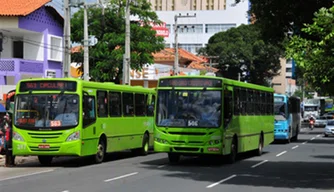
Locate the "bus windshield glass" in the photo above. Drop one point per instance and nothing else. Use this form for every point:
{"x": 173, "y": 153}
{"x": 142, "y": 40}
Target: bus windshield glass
{"x": 184, "y": 108}
{"x": 46, "y": 111}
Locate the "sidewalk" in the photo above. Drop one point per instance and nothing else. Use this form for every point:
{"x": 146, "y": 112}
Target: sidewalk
{"x": 18, "y": 160}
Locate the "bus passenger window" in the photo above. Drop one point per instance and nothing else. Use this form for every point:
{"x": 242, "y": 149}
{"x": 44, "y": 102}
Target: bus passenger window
{"x": 128, "y": 107}
{"x": 89, "y": 110}
{"x": 115, "y": 104}
{"x": 140, "y": 104}
{"x": 102, "y": 104}
{"x": 150, "y": 106}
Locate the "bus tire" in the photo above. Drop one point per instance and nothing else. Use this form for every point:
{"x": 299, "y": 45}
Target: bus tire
{"x": 259, "y": 150}
{"x": 101, "y": 152}
{"x": 231, "y": 158}
{"x": 173, "y": 158}
{"x": 145, "y": 146}
{"x": 45, "y": 160}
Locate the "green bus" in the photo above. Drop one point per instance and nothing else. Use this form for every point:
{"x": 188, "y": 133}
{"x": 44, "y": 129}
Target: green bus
{"x": 202, "y": 115}
{"x": 72, "y": 117}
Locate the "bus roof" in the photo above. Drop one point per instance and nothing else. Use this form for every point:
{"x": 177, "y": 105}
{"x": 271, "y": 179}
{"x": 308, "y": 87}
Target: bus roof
{"x": 95, "y": 85}
{"x": 225, "y": 81}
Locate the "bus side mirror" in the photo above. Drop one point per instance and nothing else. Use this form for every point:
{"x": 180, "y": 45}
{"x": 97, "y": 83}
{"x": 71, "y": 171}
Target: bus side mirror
{"x": 7, "y": 105}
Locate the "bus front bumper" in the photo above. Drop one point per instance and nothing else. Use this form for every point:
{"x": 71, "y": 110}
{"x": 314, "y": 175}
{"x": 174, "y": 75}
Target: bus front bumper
{"x": 187, "y": 149}
{"x": 281, "y": 136}
{"x": 71, "y": 148}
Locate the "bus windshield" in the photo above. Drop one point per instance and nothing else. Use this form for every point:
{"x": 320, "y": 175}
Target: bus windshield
{"x": 46, "y": 111}
{"x": 280, "y": 110}
{"x": 184, "y": 108}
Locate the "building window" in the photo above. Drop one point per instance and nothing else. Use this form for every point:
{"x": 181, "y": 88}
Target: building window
{"x": 55, "y": 50}
{"x": 190, "y": 28}
{"x": 215, "y": 28}
{"x": 288, "y": 70}
{"x": 192, "y": 48}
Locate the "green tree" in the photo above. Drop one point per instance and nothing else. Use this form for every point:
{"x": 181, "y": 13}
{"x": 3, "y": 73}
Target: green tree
{"x": 244, "y": 46}
{"x": 315, "y": 56}
{"x": 277, "y": 18}
{"x": 106, "y": 57}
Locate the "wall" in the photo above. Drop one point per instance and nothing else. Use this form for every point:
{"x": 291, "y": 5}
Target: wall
{"x": 7, "y": 48}
{"x": 34, "y": 47}
{"x": 279, "y": 82}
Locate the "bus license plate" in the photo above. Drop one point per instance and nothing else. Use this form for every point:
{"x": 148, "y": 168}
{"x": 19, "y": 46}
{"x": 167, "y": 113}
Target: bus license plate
{"x": 44, "y": 146}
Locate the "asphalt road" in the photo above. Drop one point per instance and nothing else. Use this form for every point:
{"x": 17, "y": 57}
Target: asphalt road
{"x": 305, "y": 165}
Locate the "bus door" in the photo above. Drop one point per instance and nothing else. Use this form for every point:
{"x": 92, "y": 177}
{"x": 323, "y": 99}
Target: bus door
{"x": 89, "y": 124}
{"x": 227, "y": 122}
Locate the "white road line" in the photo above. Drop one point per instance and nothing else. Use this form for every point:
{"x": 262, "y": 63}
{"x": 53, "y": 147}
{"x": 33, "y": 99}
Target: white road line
{"x": 295, "y": 147}
{"x": 318, "y": 135}
{"x": 312, "y": 138}
{"x": 25, "y": 175}
{"x": 221, "y": 181}
{"x": 161, "y": 166}
{"x": 66, "y": 191}
{"x": 281, "y": 153}
{"x": 121, "y": 177}
{"x": 304, "y": 142}
{"x": 258, "y": 164}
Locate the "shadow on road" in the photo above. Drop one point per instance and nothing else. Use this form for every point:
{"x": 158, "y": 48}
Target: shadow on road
{"x": 73, "y": 162}
{"x": 315, "y": 175}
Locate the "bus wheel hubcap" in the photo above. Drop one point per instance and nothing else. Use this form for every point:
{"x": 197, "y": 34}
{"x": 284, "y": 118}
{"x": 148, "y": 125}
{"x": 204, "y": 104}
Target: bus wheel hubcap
{"x": 146, "y": 147}
{"x": 100, "y": 151}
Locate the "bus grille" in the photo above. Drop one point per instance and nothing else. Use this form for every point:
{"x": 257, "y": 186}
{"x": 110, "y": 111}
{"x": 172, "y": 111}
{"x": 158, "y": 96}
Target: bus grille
{"x": 45, "y": 135}
{"x": 53, "y": 149}
{"x": 186, "y": 149}
{"x": 186, "y": 133}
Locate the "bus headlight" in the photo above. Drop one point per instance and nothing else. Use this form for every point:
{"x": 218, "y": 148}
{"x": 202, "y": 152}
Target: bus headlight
{"x": 74, "y": 136}
{"x": 160, "y": 140}
{"x": 214, "y": 142}
{"x": 17, "y": 137}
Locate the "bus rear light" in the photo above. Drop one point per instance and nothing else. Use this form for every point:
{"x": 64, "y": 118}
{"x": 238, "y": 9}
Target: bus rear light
{"x": 17, "y": 137}
{"x": 74, "y": 136}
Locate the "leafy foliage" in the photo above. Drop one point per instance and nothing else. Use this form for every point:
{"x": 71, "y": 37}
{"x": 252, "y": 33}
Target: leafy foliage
{"x": 315, "y": 55}
{"x": 106, "y": 57}
{"x": 278, "y": 18}
{"x": 243, "y": 46}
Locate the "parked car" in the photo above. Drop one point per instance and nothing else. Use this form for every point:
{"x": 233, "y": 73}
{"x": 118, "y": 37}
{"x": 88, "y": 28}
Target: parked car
{"x": 329, "y": 129}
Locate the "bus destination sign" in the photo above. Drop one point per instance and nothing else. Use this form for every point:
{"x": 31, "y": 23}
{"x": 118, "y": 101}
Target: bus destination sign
{"x": 48, "y": 85}
{"x": 190, "y": 82}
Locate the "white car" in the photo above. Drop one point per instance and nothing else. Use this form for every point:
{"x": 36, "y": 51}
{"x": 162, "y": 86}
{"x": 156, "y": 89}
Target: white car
{"x": 329, "y": 129}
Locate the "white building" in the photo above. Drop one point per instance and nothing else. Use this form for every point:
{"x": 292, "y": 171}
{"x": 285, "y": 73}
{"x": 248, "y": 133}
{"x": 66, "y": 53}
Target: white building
{"x": 195, "y": 32}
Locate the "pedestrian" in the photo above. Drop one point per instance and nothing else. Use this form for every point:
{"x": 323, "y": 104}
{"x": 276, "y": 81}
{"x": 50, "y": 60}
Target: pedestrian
{"x": 10, "y": 159}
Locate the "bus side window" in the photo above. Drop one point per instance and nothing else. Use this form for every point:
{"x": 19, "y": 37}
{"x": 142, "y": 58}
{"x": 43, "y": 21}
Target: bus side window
{"x": 89, "y": 110}
{"x": 115, "y": 104}
{"x": 228, "y": 107}
{"x": 128, "y": 104}
{"x": 150, "y": 106}
{"x": 140, "y": 104}
{"x": 102, "y": 103}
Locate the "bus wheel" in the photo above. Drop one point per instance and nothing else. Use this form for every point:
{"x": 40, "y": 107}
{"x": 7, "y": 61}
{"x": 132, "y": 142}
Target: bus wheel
{"x": 101, "y": 151}
{"x": 259, "y": 150}
{"x": 145, "y": 147}
{"x": 174, "y": 157}
{"x": 233, "y": 154}
{"x": 45, "y": 160}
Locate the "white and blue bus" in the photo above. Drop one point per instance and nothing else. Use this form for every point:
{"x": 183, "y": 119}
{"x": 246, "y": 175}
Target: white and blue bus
{"x": 287, "y": 117}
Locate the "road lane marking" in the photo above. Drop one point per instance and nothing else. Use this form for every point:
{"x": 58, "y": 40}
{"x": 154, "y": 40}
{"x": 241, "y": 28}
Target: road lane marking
{"x": 161, "y": 166}
{"x": 312, "y": 138}
{"x": 258, "y": 164}
{"x": 318, "y": 135}
{"x": 121, "y": 177}
{"x": 304, "y": 142}
{"x": 25, "y": 175}
{"x": 221, "y": 181}
{"x": 281, "y": 153}
{"x": 295, "y": 147}
{"x": 66, "y": 191}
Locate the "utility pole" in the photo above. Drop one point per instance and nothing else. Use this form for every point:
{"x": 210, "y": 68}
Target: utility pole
{"x": 127, "y": 56}
{"x": 176, "y": 60}
{"x": 67, "y": 39}
{"x": 86, "y": 48}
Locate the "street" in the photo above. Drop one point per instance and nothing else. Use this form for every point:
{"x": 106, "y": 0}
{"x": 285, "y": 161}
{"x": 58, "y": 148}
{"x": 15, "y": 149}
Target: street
{"x": 305, "y": 165}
